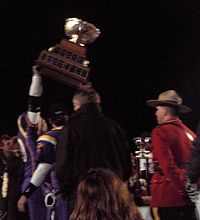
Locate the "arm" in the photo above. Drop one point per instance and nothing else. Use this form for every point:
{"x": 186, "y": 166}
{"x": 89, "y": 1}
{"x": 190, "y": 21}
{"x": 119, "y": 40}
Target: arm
{"x": 27, "y": 122}
{"x": 46, "y": 160}
{"x": 35, "y": 93}
{"x": 36, "y": 180}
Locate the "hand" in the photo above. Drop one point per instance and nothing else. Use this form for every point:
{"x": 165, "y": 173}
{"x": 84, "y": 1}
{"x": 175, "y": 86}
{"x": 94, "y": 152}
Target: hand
{"x": 192, "y": 191}
{"x": 21, "y": 203}
{"x": 36, "y": 70}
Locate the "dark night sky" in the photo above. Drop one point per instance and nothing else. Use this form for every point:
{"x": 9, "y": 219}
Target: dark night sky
{"x": 145, "y": 47}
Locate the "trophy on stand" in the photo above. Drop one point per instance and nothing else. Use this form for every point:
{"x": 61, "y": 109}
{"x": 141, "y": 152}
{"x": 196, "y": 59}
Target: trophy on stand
{"x": 143, "y": 160}
{"x": 67, "y": 61}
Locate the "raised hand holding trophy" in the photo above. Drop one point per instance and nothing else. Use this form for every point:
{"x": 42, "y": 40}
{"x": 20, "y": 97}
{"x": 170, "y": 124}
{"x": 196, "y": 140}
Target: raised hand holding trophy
{"x": 67, "y": 61}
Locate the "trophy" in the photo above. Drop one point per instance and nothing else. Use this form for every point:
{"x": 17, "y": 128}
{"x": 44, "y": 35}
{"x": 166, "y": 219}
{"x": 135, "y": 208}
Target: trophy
{"x": 67, "y": 61}
{"x": 144, "y": 162}
{"x": 143, "y": 144}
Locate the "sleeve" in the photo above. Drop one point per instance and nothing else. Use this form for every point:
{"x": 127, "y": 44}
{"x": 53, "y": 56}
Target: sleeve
{"x": 22, "y": 124}
{"x": 27, "y": 137}
{"x": 46, "y": 148}
{"x": 37, "y": 178}
{"x": 34, "y": 100}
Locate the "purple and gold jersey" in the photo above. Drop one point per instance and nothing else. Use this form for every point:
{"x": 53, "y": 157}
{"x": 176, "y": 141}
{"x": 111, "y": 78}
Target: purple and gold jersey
{"x": 46, "y": 145}
{"x": 26, "y": 138}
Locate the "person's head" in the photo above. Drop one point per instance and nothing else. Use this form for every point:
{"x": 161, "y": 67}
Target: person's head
{"x": 58, "y": 114}
{"x": 102, "y": 195}
{"x": 3, "y": 139}
{"x": 164, "y": 113}
{"x": 168, "y": 105}
{"x": 10, "y": 146}
{"x": 85, "y": 94}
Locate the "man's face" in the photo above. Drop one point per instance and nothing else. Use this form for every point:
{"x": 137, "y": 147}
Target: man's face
{"x": 9, "y": 146}
{"x": 160, "y": 114}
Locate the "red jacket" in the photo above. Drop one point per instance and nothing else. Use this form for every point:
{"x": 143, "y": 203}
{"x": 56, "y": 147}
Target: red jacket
{"x": 171, "y": 150}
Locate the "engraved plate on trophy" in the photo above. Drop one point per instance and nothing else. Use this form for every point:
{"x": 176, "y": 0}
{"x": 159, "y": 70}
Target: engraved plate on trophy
{"x": 67, "y": 61}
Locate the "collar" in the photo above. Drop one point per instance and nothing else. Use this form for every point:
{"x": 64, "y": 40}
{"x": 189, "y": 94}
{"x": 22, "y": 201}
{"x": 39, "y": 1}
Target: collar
{"x": 172, "y": 120}
{"x": 89, "y": 108}
{"x": 57, "y": 128}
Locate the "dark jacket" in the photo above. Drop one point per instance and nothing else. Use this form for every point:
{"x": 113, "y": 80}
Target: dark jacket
{"x": 90, "y": 139}
{"x": 194, "y": 166}
{"x": 15, "y": 169}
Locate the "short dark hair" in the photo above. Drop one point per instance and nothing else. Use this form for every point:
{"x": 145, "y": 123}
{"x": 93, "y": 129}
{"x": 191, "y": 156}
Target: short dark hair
{"x": 4, "y": 137}
{"x": 58, "y": 114}
{"x": 86, "y": 94}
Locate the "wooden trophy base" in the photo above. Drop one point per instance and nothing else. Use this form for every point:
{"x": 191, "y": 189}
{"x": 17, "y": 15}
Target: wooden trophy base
{"x": 65, "y": 62}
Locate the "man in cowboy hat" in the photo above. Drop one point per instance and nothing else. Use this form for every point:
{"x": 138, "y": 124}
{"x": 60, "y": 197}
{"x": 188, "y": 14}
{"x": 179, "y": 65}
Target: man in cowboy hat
{"x": 171, "y": 148}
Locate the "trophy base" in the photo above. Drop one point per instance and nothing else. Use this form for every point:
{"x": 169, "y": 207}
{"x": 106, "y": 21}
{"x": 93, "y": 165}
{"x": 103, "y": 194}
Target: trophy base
{"x": 65, "y": 63}
{"x": 62, "y": 77}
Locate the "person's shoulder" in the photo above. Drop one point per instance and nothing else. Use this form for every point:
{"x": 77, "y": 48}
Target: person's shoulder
{"x": 73, "y": 117}
{"x": 112, "y": 122}
{"x": 108, "y": 119}
{"x": 47, "y": 137}
{"x": 21, "y": 116}
{"x": 22, "y": 122}
{"x": 164, "y": 129}
{"x": 165, "y": 125}
{"x": 47, "y": 133}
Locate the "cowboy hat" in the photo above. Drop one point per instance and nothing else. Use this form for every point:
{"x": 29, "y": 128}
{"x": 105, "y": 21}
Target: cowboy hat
{"x": 169, "y": 98}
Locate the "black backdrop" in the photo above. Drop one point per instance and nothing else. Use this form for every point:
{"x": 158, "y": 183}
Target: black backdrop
{"x": 145, "y": 47}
